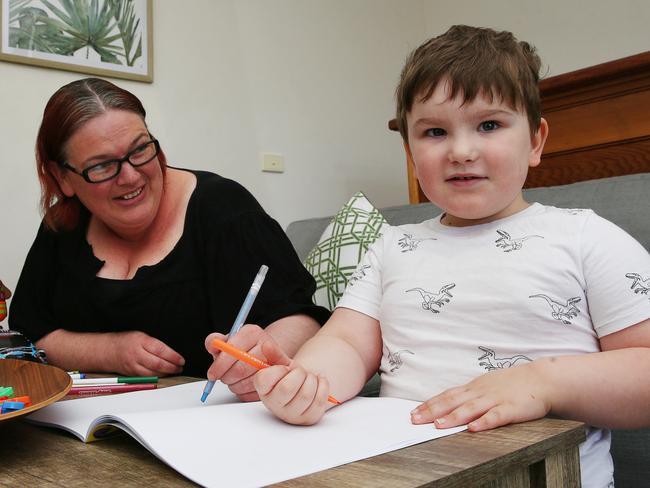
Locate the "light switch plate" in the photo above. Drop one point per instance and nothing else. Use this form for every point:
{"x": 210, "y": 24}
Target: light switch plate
{"x": 273, "y": 163}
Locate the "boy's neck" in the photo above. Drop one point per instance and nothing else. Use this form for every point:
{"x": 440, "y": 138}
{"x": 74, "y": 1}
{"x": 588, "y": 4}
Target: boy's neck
{"x": 452, "y": 221}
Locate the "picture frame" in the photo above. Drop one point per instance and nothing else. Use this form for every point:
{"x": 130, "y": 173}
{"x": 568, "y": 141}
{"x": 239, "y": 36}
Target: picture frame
{"x": 55, "y": 33}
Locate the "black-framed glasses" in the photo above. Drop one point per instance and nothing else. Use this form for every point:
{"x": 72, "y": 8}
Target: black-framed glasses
{"x": 97, "y": 173}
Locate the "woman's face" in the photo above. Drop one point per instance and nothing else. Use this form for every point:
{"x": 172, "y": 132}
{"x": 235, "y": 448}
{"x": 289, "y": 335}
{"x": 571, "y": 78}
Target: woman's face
{"x": 129, "y": 202}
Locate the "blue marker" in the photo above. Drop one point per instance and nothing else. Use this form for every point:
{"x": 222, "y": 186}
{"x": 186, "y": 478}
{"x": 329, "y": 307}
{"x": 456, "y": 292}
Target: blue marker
{"x": 241, "y": 316}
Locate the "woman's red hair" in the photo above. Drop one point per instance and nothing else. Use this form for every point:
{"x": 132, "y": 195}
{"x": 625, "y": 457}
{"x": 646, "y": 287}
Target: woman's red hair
{"x": 67, "y": 111}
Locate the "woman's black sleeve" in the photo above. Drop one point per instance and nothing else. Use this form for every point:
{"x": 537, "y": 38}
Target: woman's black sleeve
{"x": 31, "y": 307}
{"x": 237, "y": 246}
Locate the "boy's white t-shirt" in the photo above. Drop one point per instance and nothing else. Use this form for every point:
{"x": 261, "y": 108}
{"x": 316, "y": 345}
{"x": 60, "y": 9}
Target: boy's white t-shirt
{"x": 456, "y": 302}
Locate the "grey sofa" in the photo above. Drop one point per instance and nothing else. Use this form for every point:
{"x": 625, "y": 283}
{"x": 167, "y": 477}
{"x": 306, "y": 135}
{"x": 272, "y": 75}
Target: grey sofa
{"x": 625, "y": 200}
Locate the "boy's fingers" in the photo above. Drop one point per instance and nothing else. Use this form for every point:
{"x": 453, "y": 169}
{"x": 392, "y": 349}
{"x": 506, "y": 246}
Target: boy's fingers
{"x": 439, "y": 405}
{"x": 286, "y": 390}
{"x": 465, "y": 413}
{"x": 494, "y": 417}
{"x": 266, "y": 379}
{"x": 305, "y": 395}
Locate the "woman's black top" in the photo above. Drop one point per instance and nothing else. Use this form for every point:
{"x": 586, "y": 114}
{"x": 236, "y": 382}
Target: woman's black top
{"x": 196, "y": 289}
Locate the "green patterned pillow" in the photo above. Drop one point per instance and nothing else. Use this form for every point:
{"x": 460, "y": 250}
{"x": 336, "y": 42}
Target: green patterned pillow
{"x": 342, "y": 245}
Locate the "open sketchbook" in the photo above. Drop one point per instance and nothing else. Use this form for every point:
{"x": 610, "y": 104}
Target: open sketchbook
{"x": 226, "y": 443}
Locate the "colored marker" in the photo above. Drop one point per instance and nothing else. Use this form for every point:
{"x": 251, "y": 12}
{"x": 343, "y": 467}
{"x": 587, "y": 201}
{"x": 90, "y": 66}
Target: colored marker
{"x": 107, "y": 389}
{"x": 241, "y": 316}
{"x": 77, "y": 376}
{"x": 8, "y": 407}
{"x": 251, "y": 360}
{"x": 6, "y": 391}
{"x": 112, "y": 381}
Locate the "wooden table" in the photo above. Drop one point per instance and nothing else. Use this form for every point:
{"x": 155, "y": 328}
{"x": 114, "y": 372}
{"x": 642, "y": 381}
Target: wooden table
{"x": 542, "y": 453}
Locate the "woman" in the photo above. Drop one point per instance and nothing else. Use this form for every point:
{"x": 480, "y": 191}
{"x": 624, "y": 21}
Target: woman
{"x": 136, "y": 262}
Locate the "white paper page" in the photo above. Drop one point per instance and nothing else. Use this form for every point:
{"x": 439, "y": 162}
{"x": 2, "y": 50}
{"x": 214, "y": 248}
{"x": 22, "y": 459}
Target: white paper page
{"x": 248, "y": 447}
{"x": 76, "y": 415}
{"x": 245, "y": 445}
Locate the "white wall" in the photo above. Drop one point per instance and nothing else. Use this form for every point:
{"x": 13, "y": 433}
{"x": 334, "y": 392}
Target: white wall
{"x": 310, "y": 79}
{"x": 569, "y": 35}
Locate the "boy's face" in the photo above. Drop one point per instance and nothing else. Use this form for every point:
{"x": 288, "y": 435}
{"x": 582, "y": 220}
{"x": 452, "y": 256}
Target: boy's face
{"x": 471, "y": 159}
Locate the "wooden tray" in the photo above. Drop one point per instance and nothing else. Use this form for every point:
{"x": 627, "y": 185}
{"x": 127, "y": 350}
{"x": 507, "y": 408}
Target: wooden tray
{"x": 44, "y": 384}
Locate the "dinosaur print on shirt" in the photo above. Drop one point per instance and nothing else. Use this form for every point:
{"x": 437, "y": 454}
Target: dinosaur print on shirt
{"x": 490, "y": 362}
{"x": 573, "y": 211}
{"x": 395, "y": 358}
{"x": 561, "y": 311}
{"x": 438, "y": 299}
{"x": 410, "y": 243}
{"x": 508, "y": 244}
{"x": 358, "y": 274}
{"x": 639, "y": 283}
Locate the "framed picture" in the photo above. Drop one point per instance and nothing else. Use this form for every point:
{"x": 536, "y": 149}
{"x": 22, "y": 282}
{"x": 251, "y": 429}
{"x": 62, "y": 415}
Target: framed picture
{"x": 110, "y": 38}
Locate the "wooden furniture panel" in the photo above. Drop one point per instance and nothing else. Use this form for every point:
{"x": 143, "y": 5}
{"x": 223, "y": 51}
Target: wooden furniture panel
{"x": 599, "y": 119}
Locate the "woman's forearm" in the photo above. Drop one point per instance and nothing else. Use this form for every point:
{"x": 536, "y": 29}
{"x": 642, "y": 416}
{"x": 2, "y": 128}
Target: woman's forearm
{"x": 292, "y": 332}
{"x": 84, "y": 351}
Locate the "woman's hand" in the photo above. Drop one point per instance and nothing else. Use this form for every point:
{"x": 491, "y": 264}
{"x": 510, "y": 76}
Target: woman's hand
{"x": 236, "y": 374}
{"x": 288, "y": 391}
{"x": 138, "y": 354}
{"x": 496, "y": 398}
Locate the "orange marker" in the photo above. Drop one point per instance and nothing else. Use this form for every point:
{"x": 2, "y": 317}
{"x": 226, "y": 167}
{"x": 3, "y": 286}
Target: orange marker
{"x": 251, "y": 360}
{"x": 24, "y": 399}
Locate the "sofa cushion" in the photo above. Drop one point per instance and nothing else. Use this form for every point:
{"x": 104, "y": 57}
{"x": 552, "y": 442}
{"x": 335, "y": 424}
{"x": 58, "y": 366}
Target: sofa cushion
{"x": 341, "y": 246}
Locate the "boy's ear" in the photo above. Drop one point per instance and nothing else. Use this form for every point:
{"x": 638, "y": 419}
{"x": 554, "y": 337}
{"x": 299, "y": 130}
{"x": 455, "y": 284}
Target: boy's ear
{"x": 61, "y": 177}
{"x": 537, "y": 144}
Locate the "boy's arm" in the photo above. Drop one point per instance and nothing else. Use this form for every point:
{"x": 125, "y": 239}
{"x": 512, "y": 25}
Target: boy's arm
{"x": 606, "y": 389}
{"x": 616, "y": 382}
{"x": 337, "y": 361}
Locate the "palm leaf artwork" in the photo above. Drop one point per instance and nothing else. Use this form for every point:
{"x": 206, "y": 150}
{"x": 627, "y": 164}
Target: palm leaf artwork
{"x": 127, "y": 23}
{"x": 27, "y": 31}
{"x": 97, "y": 25}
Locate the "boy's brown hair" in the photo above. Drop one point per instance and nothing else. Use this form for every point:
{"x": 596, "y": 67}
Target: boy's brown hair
{"x": 475, "y": 61}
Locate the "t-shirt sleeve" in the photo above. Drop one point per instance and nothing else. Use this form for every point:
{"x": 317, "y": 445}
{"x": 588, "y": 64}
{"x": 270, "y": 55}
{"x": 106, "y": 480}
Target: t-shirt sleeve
{"x": 364, "y": 291}
{"x": 617, "y": 275}
{"x": 30, "y": 308}
{"x": 237, "y": 245}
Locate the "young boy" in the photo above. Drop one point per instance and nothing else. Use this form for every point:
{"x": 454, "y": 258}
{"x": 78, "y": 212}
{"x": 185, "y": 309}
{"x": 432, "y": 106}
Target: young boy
{"x": 496, "y": 311}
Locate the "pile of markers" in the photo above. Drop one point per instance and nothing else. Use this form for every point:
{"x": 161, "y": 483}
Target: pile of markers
{"x": 10, "y": 403}
{"x": 83, "y": 386}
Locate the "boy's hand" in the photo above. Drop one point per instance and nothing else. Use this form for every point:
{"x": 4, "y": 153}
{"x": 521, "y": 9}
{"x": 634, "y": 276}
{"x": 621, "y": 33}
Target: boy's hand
{"x": 236, "y": 374}
{"x": 291, "y": 393}
{"x": 496, "y": 398}
{"x": 138, "y": 354}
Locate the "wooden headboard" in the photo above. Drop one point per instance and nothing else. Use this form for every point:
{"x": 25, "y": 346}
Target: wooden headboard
{"x": 599, "y": 120}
